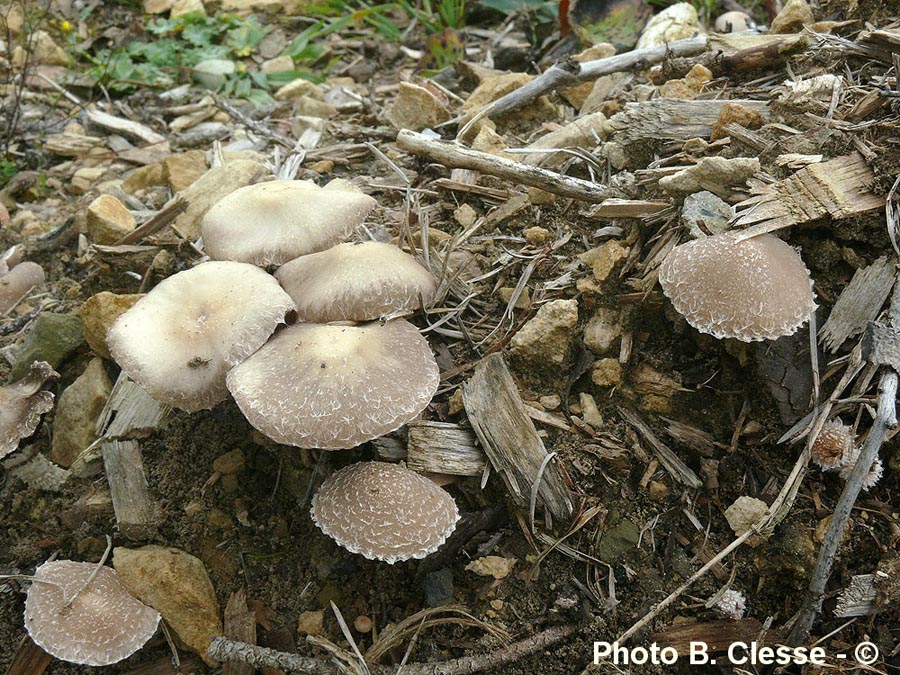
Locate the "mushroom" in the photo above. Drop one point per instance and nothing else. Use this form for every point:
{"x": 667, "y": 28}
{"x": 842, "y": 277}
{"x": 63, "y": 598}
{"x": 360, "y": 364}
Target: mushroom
{"x": 384, "y": 511}
{"x": 833, "y": 446}
{"x": 17, "y": 283}
{"x": 180, "y": 339}
{"x": 871, "y": 479}
{"x": 271, "y": 223}
{"x": 752, "y": 289}
{"x": 356, "y": 282}
{"x": 336, "y": 386}
{"x": 102, "y": 625}
{"x": 22, "y": 403}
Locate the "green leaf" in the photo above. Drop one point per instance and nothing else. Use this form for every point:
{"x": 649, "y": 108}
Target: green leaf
{"x": 244, "y": 39}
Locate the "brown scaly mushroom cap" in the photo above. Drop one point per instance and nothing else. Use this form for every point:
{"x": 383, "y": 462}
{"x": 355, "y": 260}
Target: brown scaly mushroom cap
{"x": 334, "y": 387}
{"x": 180, "y": 339}
{"x": 21, "y": 405}
{"x": 756, "y": 289}
{"x": 104, "y": 625}
{"x": 356, "y": 282}
{"x": 833, "y": 446}
{"x": 271, "y": 223}
{"x": 384, "y": 511}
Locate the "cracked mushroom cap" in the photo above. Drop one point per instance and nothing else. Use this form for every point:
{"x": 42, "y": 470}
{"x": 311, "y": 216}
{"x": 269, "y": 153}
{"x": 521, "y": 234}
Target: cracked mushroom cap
{"x": 384, "y": 511}
{"x": 755, "y": 289}
{"x": 22, "y": 403}
{"x": 356, "y": 282}
{"x": 335, "y": 386}
{"x": 271, "y": 223}
{"x": 180, "y": 339}
{"x": 104, "y": 625}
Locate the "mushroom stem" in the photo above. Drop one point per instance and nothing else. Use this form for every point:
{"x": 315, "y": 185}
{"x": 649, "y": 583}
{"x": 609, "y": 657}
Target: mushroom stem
{"x": 87, "y": 582}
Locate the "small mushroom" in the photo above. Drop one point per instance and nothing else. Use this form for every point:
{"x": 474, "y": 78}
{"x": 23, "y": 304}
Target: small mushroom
{"x": 17, "y": 283}
{"x": 22, "y": 403}
{"x": 356, "y": 282}
{"x": 271, "y": 223}
{"x": 735, "y": 22}
{"x": 751, "y": 290}
{"x": 871, "y": 479}
{"x": 336, "y": 386}
{"x": 833, "y": 446}
{"x": 103, "y": 625}
{"x": 180, "y": 339}
{"x": 384, "y": 511}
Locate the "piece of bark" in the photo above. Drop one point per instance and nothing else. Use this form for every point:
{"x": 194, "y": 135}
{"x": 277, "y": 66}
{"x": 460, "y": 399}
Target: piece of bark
{"x": 442, "y": 447}
{"x": 29, "y": 659}
{"x": 457, "y": 156}
{"x": 137, "y": 515}
{"x": 165, "y": 216}
{"x": 736, "y": 53}
{"x": 667, "y": 119}
{"x": 838, "y": 188}
{"x": 783, "y": 365}
{"x": 717, "y": 635}
{"x": 33, "y": 468}
{"x": 859, "y": 303}
{"x": 881, "y": 341}
{"x": 497, "y": 414}
{"x": 129, "y": 412}
{"x": 125, "y": 127}
{"x": 857, "y": 599}
{"x": 240, "y": 624}
{"x": 672, "y": 462}
{"x": 627, "y": 208}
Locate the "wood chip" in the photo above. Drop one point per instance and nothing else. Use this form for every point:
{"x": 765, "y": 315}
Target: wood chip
{"x": 137, "y": 515}
{"x": 442, "y": 447}
{"x": 859, "y": 303}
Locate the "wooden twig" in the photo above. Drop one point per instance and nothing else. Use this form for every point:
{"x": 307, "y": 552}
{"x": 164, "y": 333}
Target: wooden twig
{"x": 456, "y": 156}
{"x": 136, "y": 513}
{"x": 673, "y": 463}
{"x": 222, "y": 649}
{"x": 166, "y": 216}
{"x": 570, "y": 72}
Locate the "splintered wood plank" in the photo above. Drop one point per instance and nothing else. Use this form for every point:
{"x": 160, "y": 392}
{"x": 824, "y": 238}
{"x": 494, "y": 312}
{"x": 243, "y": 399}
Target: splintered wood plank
{"x": 668, "y": 119}
{"x": 129, "y": 412}
{"x": 137, "y": 515}
{"x": 240, "y": 624}
{"x": 29, "y": 659}
{"x": 509, "y": 439}
{"x": 838, "y": 188}
{"x": 859, "y": 303}
{"x": 441, "y": 447}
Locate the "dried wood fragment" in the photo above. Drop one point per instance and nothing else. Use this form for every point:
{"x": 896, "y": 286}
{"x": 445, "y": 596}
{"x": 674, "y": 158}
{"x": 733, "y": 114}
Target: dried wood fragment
{"x": 672, "y": 462}
{"x": 838, "y": 188}
{"x": 129, "y": 412}
{"x": 858, "y": 599}
{"x": 188, "y": 665}
{"x": 509, "y": 439}
{"x": 240, "y": 624}
{"x": 457, "y": 156}
{"x": 859, "y": 303}
{"x": 717, "y": 635}
{"x": 31, "y": 467}
{"x": 739, "y": 53}
{"x": 627, "y": 208}
{"x": 123, "y": 126}
{"x": 137, "y": 515}
{"x": 442, "y": 447}
{"x": 29, "y": 659}
{"x": 666, "y": 119}
{"x": 547, "y": 418}
{"x": 166, "y": 216}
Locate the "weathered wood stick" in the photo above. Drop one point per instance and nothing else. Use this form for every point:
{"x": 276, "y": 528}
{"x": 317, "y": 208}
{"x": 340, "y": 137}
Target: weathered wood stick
{"x": 571, "y": 72}
{"x": 457, "y": 156}
{"x": 136, "y": 512}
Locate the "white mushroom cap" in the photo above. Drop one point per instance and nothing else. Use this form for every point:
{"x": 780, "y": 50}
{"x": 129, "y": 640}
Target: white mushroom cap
{"x": 271, "y": 223}
{"x": 334, "y": 387}
{"x": 356, "y": 282}
{"x": 180, "y": 339}
{"x": 21, "y": 405}
{"x": 756, "y": 289}
{"x": 104, "y": 625}
{"x": 384, "y": 511}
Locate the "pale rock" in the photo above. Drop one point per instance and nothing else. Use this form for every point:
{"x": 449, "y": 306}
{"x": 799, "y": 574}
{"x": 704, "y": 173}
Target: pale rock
{"x": 143, "y": 177}
{"x": 550, "y": 402}
{"x": 311, "y": 623}
{"x": 157, "y": 6}
{"x": 210, "y": 188}
{"x": 97, "y": 315}
{"x": 35, "y": 228}
{"x": 609, "y": 255}
{"x": 23, "y": 219}
{"x": 280, "y": 64}
{"x": 737, "y": 114}
{"x": 85, "y": 177}
{"x": 77, "y": 412}
{"x": 792, "y": 18}
{"x": 615, "y": 154}
{"x": 703, "y": 213}
{"x": 182, "y": 169}
{"x": 716, "y": 174}
{"x": 602, "y": 330}
{"x": 416, "y": 108}
{"x": 493, "y": 88}
{"x": 676, "y": 22}
{"x": 108, "y": 220}
{"x": 14, "y": 19}
{"x": 231, "y": 462}
{"x": 544, "y": 341}
{"x": 744, "y": 513}
{"x": 589, "y": 411}
{"x": 465, "y": 215}
{"x": 601, "y": 50}
{"x": 44, "y": 51}
{"x": 492, "y": 566}
{"x": 522, "y": 302}
{"x": 307, "y": 106}
{"x": 606, "y": 373}
{"x": 298, "y": 88}
{"x": 537, "y": 235}
{"x": 455, "y": 403}
{"x": 657, "y": 491}
{"x": 181, "y": 7}
{"x": 584, "y": 132}
{"x": 688, "y": 87}
{"x": 176, "y": 585}
{"x": 489, "y": 141}
{"x": 603, "y": 89}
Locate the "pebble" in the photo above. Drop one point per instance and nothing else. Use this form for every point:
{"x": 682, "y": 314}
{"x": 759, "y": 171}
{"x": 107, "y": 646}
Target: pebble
{"x": 416, "y": 108}
{"x": 143, "y": 177}
{"x": 744, "y": 512}
{"x": 183, "y": 169}
{"x": 52, "y": 338}
{"x": 363, "y": 624}
{"x": 716, "y": 174}
{"x": 537, "y": 235}
{"x": 229, "y": 463}
{"x": 602, "y": 330}
{"x": 704, "y": 213}
{"x": 608, "y": 256}
{"x": 737, "y": 114}
{"x": 734, "y": 22}
{"x": 298, "y": 88}
{"x": 492, "y": 566}
{"x": 76, "y": 413}
{"x": 85, "y": 177}
{"x": 108, "y": 220}
{"x": 606, "y": 373}
{"x": 792, "y": 18}
{"x": 544, "y": 341}
{"x": 589, "y": 411}
{"x": 311, "y": 623}
{"x": 465, "y": 215}
{"x": 676, "y": 22}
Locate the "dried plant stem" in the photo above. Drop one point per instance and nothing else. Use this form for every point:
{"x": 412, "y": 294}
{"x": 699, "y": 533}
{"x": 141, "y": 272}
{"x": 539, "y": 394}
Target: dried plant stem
{"x": 93, "y": 574}
{"x": 885, "y": 419}
{"x": 223, "y": 649}
{"x": 457, "y": 156}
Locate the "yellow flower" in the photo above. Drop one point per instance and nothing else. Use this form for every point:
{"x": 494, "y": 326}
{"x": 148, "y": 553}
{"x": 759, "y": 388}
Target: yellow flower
{"x": 66, "y": 26}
